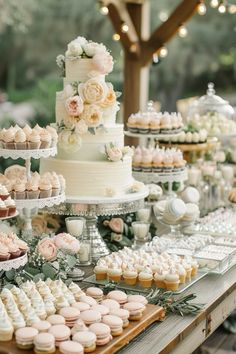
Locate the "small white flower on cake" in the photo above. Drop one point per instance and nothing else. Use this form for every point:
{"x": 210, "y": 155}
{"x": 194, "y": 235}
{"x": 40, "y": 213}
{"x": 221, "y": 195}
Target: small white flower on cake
{"x": 60, "y": 60}
{"x": 113, "y": 152}
{"x": 69, "y": 141}
{"x": 81, "y": 127}
{"x": 74, "y": 106}
{"x": 91, "y": 48}
{"x": 110, "y": 192}
{"x": 93, "y": 91}
{"x": 136, "y": 187}
{"x": 92, "y": 115}
{"x": 74, "y": 49}
{"x": 81, "y": 40}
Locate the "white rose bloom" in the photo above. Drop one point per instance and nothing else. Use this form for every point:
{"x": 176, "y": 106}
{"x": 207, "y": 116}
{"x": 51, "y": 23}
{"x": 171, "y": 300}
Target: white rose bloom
{"x": 70, "y": 142}
{"x": 81, "y": 127}
{"x": 68, "y": 91}
{"x": 74, "y": 49}
{"x": 81, "y": 40}
{"x": 91, "y": 48}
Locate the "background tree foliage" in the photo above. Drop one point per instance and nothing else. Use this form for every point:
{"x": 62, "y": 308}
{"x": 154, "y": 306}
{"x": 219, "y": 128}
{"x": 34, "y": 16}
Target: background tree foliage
{"x": 33, "y": 33}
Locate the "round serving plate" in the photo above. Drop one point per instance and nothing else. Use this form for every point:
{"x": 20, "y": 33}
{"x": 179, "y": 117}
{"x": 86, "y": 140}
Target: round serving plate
{"x": 39, "y": 203}
{"x": 9, "y": 217}
{"x": 156, "y": 136}
{"x": 13, "y": 263}
{"x": 27, "y": 154}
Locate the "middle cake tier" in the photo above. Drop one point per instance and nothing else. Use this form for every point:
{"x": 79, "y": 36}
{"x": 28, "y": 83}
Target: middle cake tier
{"x": 92, "y": 178}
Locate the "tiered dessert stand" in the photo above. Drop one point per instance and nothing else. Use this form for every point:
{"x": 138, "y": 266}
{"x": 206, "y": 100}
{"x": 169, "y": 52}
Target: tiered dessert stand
{"x": 28, "y": 207}
{"x": 92, "y": 208}
{"x": 158, "y": 177}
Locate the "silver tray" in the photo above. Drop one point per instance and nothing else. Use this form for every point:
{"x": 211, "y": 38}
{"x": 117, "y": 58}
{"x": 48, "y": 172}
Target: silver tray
{"x": 138, "y": 289}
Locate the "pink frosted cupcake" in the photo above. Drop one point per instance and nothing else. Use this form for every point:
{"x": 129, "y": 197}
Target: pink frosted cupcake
{"x": 132, "y": 124}
{"x": 137, "y": 159}
{"x": 3, "y": 210}
{"x": 165, "y": 123}
{"x": 155, "y": 124}
{"x": 46, "y": 139}
{"x": 34, "y": 140}
{"x": 32, "y": 189}
{"x": 19, "y": 190}
{"x": 14, "y": 250}
{"x": 45, "y": 188}
{"x": 20, "y": 140}
{"x": 157, "y": 162}
{"x": 11, "y": 205}
{"x": 4, "y": 253}
{"x": 23, "y": 247}
{"x": 9, "y": 139}
{"x": 144, "y": 124}
{"x": 168, "y": 161}
{"x": 56, "y": 187}
{"x": 146, "y": 161}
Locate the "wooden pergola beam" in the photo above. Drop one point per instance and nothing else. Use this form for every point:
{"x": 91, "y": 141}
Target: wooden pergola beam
{"x": 168, "y": 29}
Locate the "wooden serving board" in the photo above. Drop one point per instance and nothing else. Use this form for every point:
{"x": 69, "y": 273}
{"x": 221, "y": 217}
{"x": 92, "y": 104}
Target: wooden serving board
{"x": 152, "y": 314}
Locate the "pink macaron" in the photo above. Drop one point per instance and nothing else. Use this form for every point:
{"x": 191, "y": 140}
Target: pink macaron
{"x": 123, "y": 314}
{"x": 111, "y": 304}
{"x": 95, "y": 293}
{"x": 90, "y": 316}
{"x": 87, "y": 340}
{"x": 103, "y": 333}
{"x": 115, "y": 323}
{"x": 25, "y": 337}
{"x": 137, "y": 298}
{"x": 44, "y": 343}
{"x": 82, "y": 306}
{"x": 79, "y": 326}
{"x": 88, "y": 300}
{"x": 42, "y": 326}
{"x": 118, "y": 295}
{"x": 104, "y": 310}
{"x": 56, "y": 319}
{"x": 71, "y": 347}
{"x": 71, "y": 314}
{"x": 135, "y": 310}
{"x": 60, "y": 332}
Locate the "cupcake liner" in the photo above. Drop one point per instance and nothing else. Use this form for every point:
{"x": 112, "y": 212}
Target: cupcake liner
{"x": 33, "y": 145}
{"x": 20, "y": 195}
{"x": 32, "y": 194}
{"x": 4, "y": 196}
{"x": 101, "y": 276}
{"x": 3, "y": 212}
{"x": 55, "y": 192}
{"x": 45, "y": 144}
{"x": 130, "y": 281}
{"x": 45, "y": 193}
{"x": 10, "y": 146}
{"x": 21, "y": 146}
{"x": 11, "y": 210}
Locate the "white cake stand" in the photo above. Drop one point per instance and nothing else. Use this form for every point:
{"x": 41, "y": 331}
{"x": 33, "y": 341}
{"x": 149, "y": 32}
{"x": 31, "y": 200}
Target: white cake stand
{"x": 91, "y": 208}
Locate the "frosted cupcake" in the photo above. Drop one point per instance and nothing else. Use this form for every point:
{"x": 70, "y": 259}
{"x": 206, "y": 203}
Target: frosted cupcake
{"x": 168, "y": 161}
{"x": 146, "y": 162}
{"x": 4, "y": 194}
{"x": 157, "y": 162}
{"x": 145, "y": 279}
{"x": 182, "y": 273}
{"x": 34, "y": 140}
{"x": 46, "y": 139}
{"x": 172, "y": 280}
{"x": 144, "y": 124}
{"x": 45, "y": 188}
{"x": 130, "y": 276}
{"x": 154, "y": 125}
{"x": 27, "y": 130}
{"x": 11, "y": 205}
{"x": 114, "y": 274}
{"x": 159, "y": 279}
{"x": 20, "y": 140}
{"x": 132, "y": 124}
{"x": 4, "y": 252}
{"x": 165, "y": 123}
{"x": 32, "y": 189}
{"x": 8, "y": 139}
{"x": 137, "y": 158}
{"x": 19, "y": 189}
{"x": 3, "y": 209}
{"x": 56, "y": 187}
{"x": 100, "y": 272}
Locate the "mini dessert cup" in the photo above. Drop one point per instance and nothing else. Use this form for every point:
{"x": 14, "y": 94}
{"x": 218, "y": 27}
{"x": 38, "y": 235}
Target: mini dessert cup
{"x": 159, "y": 281}
{"x": 145, "y": 279}
{"x": 130, "y": 277}
{"x": 172, "y": 285}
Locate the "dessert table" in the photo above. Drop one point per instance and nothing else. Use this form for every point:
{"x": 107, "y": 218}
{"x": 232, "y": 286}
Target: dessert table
{"x": 180, "y": 335}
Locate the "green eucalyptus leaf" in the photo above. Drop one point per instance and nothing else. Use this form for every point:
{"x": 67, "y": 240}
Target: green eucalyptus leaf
{"x": 71, "y": 260}
{"x": 38, "y": 277}
{"x": 10, "y": 274}
{"x": 49, "y": 271}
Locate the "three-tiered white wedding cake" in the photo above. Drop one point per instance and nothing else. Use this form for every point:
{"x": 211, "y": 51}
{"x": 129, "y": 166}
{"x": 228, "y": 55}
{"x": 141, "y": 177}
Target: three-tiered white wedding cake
{"x": 91, "y": 153}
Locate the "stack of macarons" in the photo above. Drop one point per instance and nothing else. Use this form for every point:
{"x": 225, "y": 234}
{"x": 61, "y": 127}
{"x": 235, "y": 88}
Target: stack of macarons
{"x": 174, "y": 210}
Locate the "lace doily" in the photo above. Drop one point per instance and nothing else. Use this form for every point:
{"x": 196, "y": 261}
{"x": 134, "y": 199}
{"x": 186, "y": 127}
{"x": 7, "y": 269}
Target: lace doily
{"x": 27, "y": 154}
{"x": 13, "y": 263}
{"x": 161, "y": 177}
{"x": 39, "y": 203}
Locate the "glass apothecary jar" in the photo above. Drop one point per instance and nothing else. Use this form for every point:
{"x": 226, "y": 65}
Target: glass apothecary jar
{"x": 213, "y": 113}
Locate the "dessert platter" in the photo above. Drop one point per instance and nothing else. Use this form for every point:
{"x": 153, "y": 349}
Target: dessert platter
{"x": 55, "y": 317}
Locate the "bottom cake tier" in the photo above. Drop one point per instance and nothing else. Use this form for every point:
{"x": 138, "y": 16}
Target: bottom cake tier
{"x": 92, "y": 178}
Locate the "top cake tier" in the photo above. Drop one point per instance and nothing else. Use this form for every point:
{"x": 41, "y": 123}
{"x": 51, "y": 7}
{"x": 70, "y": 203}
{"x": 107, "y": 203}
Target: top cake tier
{"x": 80, "y": 70}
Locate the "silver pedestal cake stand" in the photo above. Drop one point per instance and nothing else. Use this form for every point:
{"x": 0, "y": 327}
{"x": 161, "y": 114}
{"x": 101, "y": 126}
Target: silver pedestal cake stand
{"x": 92, "y": 208}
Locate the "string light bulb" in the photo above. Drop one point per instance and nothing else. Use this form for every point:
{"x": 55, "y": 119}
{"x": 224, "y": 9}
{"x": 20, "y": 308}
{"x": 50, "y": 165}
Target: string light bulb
{"x": 214, "y": 3}
{"x": 163, "y": 16}
{"x": 155, "y": 58}
{"x": 222, "y": 8}
{"x": 163, "y": 52}
{"x": 104, "y": 10}
{"x": 116, "y": 37}
{"x": 183, "y": 32}
{"x": 201, "y": 9}
{"x": 133, "y": 48}
{"x": 124, "y": 27}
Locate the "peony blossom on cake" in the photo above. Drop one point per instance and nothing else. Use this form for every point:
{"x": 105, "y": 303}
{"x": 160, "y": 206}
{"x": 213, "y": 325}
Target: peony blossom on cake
{"x": 74, "y": 106}
{"x": 81, "y": 127}
{"x": 110, "y": 98}
{"x": 92, "y": 115}
{"x": 113, "y": 152}
{"x": 66, "y": 242}
{"x": 93, "y": 48}
{"x": 93, "y": 91}
{"x": 103, "y": 62}
{"x": 69, "y": 141}
{"x": 47, "y": 249}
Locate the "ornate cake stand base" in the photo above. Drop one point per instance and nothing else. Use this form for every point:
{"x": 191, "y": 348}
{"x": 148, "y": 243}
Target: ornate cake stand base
{"x": 91, "y": 209}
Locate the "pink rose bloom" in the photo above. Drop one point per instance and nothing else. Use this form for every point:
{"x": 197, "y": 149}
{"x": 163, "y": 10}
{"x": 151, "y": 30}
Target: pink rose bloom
{"x": 116, "y": 225}
{"x": 66, "y": 242}
{"x": 74, "y": 105}
{"x": 103, "y": 62}
{"x": 47, "y": 249}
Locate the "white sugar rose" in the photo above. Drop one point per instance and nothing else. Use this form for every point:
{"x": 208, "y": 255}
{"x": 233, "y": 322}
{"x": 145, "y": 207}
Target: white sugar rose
{"x": 92, "y": 115}
{"x": 114, "y": 153}
{"x": 81, "y": 127}
{"x": 136, "y": 187}
{"x": 74, "y": 49}
{"x": 110, "y": 99}
{"x": 68, "y": 91}
{"x": 69, "y": 141}
{"x": 81, "y": 40}
{"x": 74, "y": 106}
{"x": 93, "y": 91}
{"x": 91, "y": 48}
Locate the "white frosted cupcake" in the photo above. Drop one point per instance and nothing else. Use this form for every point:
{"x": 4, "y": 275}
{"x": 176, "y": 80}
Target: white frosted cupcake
{"x": 20, "y": 140}
{"x": 19, "y": 190}
{"x": 46, "y": 139}
{"x": 32, "y": 189}
{"x": 45, "y": 188}
{"x": 34, "y": 140}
